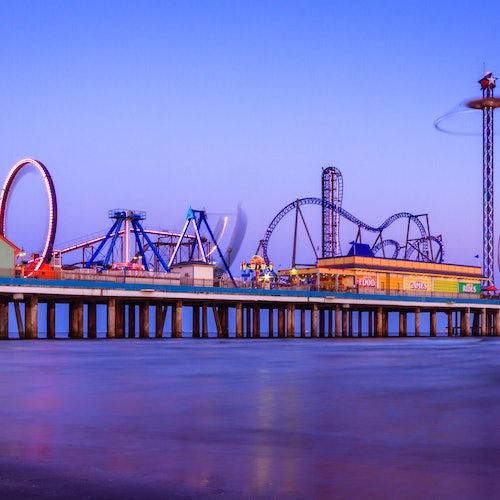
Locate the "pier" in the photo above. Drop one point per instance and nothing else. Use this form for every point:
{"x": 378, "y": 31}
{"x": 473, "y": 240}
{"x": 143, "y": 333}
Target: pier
{"x": 133, "y": 282}
{"x": 131, "y": 310}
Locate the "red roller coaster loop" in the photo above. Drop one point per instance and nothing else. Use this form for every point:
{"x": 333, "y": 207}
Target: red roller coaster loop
{"x": 51, "y": 196}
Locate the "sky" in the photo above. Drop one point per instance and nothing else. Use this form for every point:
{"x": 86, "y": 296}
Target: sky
{"x": 158, "y": 106}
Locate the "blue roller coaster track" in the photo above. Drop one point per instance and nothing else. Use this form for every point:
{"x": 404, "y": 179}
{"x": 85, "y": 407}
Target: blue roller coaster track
{"x": 420, "y": 245}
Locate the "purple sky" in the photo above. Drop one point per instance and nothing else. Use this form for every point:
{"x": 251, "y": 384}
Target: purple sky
{"x": 160, "y": 105}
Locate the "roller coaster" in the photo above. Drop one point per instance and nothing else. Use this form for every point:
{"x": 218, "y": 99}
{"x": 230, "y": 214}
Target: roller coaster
{"x": 46, "y": 254}
{"x": 127, "y": 245}
{"x": 424, "y": 247}
{"x": 81, "y": 251}
{"x": 154, "y": 250}
{"x": 157, "y": 250}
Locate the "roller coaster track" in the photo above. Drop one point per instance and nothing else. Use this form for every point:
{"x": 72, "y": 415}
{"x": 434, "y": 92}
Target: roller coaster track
{"x": 379, "y": 246}
{"x": 98, "y": 239}
{"x": 437, "y": 239}
{"x": 46, "y": 253}
{"x": 346, "y": 215}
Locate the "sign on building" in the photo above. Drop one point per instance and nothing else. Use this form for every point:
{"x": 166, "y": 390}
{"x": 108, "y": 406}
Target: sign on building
{"x": 469, "y": 287}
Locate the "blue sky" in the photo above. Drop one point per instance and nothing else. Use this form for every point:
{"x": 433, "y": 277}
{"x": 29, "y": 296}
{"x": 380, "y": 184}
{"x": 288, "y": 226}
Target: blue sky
{"x": 161, "y": 105}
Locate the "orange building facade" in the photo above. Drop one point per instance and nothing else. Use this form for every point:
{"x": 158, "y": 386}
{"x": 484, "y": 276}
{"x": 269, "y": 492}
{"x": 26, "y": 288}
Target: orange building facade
{"x": 380, "y": 275}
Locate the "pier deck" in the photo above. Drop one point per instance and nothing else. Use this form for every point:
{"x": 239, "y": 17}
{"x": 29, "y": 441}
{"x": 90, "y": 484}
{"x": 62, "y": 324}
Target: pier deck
{"x": 234, "y": 312}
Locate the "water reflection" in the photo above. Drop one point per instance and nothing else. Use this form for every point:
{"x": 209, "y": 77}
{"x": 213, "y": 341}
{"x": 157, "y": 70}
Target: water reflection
{"x": 405, "y": 417}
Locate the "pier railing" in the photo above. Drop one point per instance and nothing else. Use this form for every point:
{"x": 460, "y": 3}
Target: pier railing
{"x": 156, "y": 278}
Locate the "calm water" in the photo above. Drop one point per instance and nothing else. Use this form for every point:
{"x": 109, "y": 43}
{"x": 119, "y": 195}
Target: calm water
{"x": 397, "y": 418}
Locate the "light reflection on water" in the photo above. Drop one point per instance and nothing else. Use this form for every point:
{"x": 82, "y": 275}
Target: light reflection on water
{"x": 312, "y": 418}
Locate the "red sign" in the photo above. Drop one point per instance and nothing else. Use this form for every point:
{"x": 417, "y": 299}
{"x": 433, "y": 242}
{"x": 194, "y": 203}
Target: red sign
{"x": 367, "y": 281}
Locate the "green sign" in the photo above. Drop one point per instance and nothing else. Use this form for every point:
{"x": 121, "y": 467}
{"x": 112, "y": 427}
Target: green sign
{"x": 469, "y": 288}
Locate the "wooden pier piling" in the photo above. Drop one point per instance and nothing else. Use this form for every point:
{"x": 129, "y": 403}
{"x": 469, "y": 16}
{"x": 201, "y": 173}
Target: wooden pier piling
{"x": 290, "y": 330}
{"x": 4, "y": 319}
{"x": 239, "y": 320}
{"x": 131, "y": 321}
{"x": 270, "y": 322}
{"x": 314, "y": 321}
{"x": 31, "y": 316}
{"x": 143, "y": 320}
{"x": 51, "y": 319}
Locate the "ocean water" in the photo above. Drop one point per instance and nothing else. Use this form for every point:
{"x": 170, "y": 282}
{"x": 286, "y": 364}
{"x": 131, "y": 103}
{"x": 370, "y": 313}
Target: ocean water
{"x": 191, "y": 418}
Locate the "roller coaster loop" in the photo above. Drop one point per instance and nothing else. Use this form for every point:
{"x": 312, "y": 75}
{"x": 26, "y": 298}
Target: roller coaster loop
{"x": 46, "y": 254}
{"x": 423, "y": 240}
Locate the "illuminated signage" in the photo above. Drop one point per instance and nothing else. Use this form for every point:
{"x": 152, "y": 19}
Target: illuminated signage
{"x": 469, "y": 288}
{"x": 418, "y": 284}
{"x": 367, "y": 281}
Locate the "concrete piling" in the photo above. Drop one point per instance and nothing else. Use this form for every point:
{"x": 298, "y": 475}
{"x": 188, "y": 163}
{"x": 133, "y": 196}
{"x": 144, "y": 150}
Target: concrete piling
{"x": 417, "y": 321}
{"x": 120, "y": 319}
{"x": 302, "y": 322}
{"x": 314, "y": 321}
{"x": 256, "y": 322}
{"x": 290, "y": 316}
{"x": 466, "y": 322}
{"x": 321, "y": 323}
{"x": 144, "y": 320}
{"x": 131, "y": 321}
{"x": 31, "y": 317}
{"x": 270, "y": 323}
{"x": 4, "y": 319}
{"x": 160, "y": 312}
{"x": 379, "y": 320}
{"x": 204, "y": 321}
{"x": 432, "y": 322}
{"x": 51, "y": 319}
{"x": 196, "y": 332}
{"x": 281, "y": 321}
{"x": 239, "y": 320}
{"x": 484, "y": 323}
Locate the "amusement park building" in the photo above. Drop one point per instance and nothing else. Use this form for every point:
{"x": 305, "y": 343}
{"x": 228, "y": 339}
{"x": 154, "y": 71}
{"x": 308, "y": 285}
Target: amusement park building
{"x": 383, "y": 275}
{"x": 195, "y": 273}
{"x": 8, "y": 253}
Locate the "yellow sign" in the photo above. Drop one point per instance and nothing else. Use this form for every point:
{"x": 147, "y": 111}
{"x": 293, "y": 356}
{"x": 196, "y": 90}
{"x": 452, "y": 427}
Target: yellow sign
{"x": 418, "y": 284}
{"x": 445, "y": 286}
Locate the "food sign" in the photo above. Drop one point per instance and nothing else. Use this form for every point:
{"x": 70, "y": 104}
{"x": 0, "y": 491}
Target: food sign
{"x": 367, "y": 281}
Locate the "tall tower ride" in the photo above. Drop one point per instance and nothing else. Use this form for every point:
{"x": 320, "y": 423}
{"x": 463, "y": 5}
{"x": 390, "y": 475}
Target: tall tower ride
{"x": 332, "y": 188}
{"x": 487, "y": 104}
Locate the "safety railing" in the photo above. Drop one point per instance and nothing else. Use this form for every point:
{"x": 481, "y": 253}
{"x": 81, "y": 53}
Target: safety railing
{"x": 160, "y": 278}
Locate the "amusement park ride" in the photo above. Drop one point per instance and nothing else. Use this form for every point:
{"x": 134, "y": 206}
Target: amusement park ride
{"x": 421, "y": 247}
{"x": 152, "y": 250}
{"x": 45, "y": 256}
{"x": 128, "y": 246}
{"x": 156, "y": 250}
{"x": 487, "y": 104}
